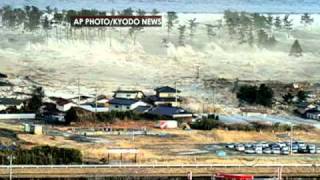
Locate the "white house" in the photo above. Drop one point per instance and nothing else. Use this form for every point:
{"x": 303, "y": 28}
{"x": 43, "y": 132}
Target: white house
{"x": 64, "y": 105}
{"x": 122, "y": 104}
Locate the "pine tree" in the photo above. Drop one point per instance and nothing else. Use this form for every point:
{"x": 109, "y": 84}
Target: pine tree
{"x": 287, "y": 23}
{"x": 296, "y": 49}
{"x": 192, "y": 27}
{"x": 306, "y": 19}
{"x": 182, "y": 30}
{"x": 172, "y": 19}
{"x": 278, "y": 23}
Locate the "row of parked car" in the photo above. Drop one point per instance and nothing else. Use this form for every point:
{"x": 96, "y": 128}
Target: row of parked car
{"x": 274, "y": 148}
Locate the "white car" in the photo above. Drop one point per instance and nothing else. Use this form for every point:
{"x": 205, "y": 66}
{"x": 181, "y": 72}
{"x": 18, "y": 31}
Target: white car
{"x": 240, "y": 148}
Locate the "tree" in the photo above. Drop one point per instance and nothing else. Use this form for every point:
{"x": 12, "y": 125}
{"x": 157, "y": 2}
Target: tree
{"x": 141, "y": 12}
{"x": 302, "y": 96}
{"x": 288, "y": 98}
{"x": 259, "y": 21}
{"x": 306, "y": 19}
{"x": 210, "y": 32}
{"x": 254, "y": 95}
{"x": 127, "y": 12}
{"x": 231, "y": 19}
{"x": 287, "y": 24}
{"x": 155, "y": 12}
{"x": 192, "y": 27}
{"x": 172, "y": 19}
{"x": 296, "y": 49}
{"x": 278, "y": 23}
{"x": 250, "y": 37}
{"x": 247, "y": 93}
{"x": 269, "y": 21}
{"x": 264, "y": 95}
{"x": 35, "y": 102}
{"x": 182, "y": 30}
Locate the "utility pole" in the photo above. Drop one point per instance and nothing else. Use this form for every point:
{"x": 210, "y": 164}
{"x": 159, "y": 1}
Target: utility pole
{"x": 96, "y": 99}
{"x": 291, "y": 138}
{"x": 79, "y": 91}
{"x": 176, "y": 98}
{"x": 11, "y": 157}
{"x": 198, "y": 71}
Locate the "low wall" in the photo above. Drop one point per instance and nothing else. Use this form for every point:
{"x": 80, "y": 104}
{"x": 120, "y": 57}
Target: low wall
{"x": 18, "y": 116}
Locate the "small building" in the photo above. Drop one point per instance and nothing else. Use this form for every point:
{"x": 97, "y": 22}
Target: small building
{"x": 10, "y": 102}
{"x": 166, "y": 96}
{"x": 82, "y": 99}
{"x": 128, "y": 94}
{"x": 33, "y": 129}
{"x": 93, "y": 108}
{"x": 313, "y": 114}
{"x": 64, "y": 105}
{"x": 171, "y": 112}
{"x": 123, "y": 104}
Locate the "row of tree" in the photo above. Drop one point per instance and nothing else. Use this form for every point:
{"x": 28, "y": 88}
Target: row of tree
{"x": 42, "y": 155}
{"x": 251, "y": 94}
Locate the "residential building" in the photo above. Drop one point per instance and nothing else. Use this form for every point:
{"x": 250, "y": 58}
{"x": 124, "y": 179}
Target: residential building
{"x": 170, "y": 112}
{"x": 123, "y": 104}
{"x": 64, "y": 105}
{"x": 166, "y": 96}
{"x": 10, "y": 102}
{"x": 313, "y": 114}
{"x": 93, "y": 108}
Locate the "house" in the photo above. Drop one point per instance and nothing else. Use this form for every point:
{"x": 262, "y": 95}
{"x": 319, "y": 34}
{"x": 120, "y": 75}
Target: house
{"x": 124, "y": 104}
{"x": 166, "y": 96}
{"x": 313, "y": 114}
{"x": 82, "y": 99}
{"x": 103, "y": 100}
{"x": 170, "y": 112}
{"x": 128, "y": 94}
{"x": 10, "y": 102}
{"x": 303, "y": 107}
{"x": 64, "y": 104}
{"x": 93, "y": 108}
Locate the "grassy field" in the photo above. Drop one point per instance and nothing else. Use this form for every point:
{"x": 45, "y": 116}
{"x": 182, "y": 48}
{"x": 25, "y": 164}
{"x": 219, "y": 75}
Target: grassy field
{"x": 176, "y": 146}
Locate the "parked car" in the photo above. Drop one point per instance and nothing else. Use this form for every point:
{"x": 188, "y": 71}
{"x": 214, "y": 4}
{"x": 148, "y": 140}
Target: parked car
{"x": 240, "y": 147}
{"x": 250, "y": 151}
{"x": 275, "y": 151}
{"x": 267, "y": 151}
{"x": 230, "y": 146}
{"x": 285, "y": 152}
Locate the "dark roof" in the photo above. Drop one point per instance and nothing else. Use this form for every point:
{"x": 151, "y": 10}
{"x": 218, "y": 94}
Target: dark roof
{"x": 166, "y": 89}
{"x": 141, "y": 109}
{"x": 60, "y": 101}
{"x": 154, "y": 98}
{"x": 313, "y": 111}
{"x": 122, "y": 101}
{"x": 167, "y": 111}
{"x": 10, "y": 101}
{"x": 127, "y": 91}
{"x": 3, "y": 75}
{"x": 82, "y": 97}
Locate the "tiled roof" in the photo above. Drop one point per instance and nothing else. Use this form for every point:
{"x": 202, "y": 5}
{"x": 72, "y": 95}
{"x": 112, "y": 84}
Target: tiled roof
{"x": 122, "y": 101}
{"x": 167, "y": 89}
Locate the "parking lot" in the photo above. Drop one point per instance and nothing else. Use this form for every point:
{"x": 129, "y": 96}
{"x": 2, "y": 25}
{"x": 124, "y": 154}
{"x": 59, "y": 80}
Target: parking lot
{"x": 276, "y": 148}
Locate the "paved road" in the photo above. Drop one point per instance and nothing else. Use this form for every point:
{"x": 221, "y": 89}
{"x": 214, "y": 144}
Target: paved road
{"x": 45, "y": 171}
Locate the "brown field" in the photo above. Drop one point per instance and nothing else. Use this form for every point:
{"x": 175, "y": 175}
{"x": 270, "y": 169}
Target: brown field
{"x": 170, "y": 148}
